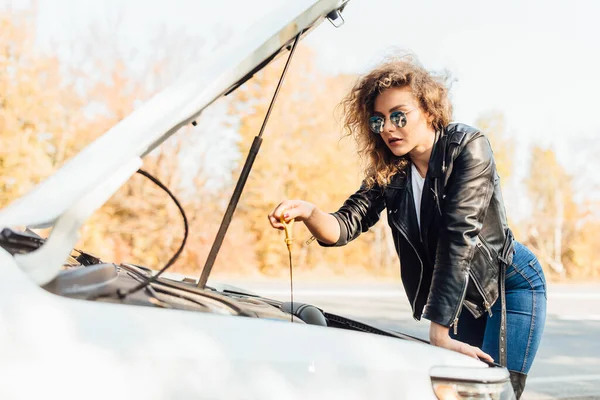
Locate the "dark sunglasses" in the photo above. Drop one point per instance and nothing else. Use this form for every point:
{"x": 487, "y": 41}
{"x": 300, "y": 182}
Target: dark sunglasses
{"x": 398, "y": 118}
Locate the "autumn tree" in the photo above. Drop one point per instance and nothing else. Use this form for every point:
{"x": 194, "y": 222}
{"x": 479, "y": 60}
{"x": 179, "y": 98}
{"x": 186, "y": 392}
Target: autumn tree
{"x": 140, "y": 223}
{"x": 493, "y": 125}
{"x": 37, "y": 109}
{"x": 585, "y": 254}
{"x": 50, "y": 110}
{"x": 553, "y": 223}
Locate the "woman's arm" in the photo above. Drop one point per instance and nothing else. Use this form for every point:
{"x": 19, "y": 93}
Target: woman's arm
{"x": 323, "y": 226}
{"x": 439, "y": 336}
{"x": 358, "y": 213}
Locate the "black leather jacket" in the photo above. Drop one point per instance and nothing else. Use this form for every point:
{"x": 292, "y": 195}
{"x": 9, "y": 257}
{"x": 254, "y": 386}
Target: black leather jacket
{"x": 453, "y": 259}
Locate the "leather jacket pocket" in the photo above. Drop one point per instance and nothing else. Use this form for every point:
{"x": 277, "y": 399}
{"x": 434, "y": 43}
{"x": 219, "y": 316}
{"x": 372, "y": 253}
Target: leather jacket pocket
{"x": 482, "y": 291}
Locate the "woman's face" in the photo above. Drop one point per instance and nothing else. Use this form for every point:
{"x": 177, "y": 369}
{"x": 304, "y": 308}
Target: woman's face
{"x": 417, "y": 135}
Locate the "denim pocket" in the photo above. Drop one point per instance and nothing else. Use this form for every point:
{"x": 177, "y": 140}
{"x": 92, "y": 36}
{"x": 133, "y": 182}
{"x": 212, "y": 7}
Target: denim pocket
{"x": 526, "y": 275}
{"x": 537, "y": 267}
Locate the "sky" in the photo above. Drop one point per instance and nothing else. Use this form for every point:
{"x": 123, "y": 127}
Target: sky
{"x": 535, "y": 61}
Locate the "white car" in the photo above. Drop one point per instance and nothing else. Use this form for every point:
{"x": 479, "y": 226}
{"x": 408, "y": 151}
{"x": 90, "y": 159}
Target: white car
{"x": 93, "y": 329}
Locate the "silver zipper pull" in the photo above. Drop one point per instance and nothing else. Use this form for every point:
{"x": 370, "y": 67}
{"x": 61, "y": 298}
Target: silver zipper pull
{"x": 488, "y": 307}
{"x": 455, "y": 323}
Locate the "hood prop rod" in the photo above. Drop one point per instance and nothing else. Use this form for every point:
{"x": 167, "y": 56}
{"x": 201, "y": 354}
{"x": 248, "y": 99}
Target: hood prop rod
{"x": 239, "y": 187}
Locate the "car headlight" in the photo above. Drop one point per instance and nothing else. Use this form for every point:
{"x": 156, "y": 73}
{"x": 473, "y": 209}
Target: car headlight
{"x": 471, "y": 383}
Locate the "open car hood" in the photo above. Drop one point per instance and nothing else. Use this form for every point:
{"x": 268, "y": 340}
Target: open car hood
{"x": 67, "y": 199}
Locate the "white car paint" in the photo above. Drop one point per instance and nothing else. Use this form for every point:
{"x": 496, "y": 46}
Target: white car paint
{"x": 50, "y": 345}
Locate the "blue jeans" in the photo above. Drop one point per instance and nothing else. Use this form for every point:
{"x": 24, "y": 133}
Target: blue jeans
{"x": 525, "y": 314}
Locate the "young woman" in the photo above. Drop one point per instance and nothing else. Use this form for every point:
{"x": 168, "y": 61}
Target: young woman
{"x": 439, "y": 184}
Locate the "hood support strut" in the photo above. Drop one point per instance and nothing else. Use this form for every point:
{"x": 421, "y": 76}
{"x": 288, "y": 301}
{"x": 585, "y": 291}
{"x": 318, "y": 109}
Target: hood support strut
{"x": 239, "y": 187}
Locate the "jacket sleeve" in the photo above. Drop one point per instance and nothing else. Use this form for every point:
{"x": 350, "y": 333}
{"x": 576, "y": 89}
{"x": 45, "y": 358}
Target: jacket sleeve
{"x": 358, "y": 213}
{"x": 467, "y": 197}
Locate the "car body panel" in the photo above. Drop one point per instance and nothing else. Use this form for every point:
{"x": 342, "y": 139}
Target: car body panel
{"x": 71, "y": 345}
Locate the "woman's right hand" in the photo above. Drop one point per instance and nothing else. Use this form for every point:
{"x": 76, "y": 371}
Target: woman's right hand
{"x": 290, "y": 209}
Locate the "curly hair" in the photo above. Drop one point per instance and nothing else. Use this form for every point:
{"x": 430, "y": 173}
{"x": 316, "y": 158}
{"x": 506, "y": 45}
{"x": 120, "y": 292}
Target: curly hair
{"x": 429, "y": 90}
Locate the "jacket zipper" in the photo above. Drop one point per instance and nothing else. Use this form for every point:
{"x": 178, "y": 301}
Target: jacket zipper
{"x": 460, "y": 305}
{"x": 485, "y": 250}
{"x": 437, "y": 200}
{"x": 452, "y": 151}
{"x": 453, "y": 146}
{"x": 420, "y": 262}
{"x": 486, "y": 303}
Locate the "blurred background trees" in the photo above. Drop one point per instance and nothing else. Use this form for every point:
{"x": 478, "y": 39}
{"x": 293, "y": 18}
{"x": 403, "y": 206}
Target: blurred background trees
{"x": 50, "y": 110}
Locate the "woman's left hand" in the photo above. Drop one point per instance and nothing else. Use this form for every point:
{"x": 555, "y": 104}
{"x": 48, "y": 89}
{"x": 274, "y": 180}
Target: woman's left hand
{"x": 439, "y": 336}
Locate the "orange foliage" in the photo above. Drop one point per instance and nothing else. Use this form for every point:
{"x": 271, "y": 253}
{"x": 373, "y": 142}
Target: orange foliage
{"x": 44, "y": 121}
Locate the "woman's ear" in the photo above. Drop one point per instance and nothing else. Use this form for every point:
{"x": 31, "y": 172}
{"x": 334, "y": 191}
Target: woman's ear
{"x": 429, "y": 118}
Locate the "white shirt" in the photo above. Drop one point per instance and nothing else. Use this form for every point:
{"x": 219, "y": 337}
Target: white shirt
{"x": 417, "y": 187}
